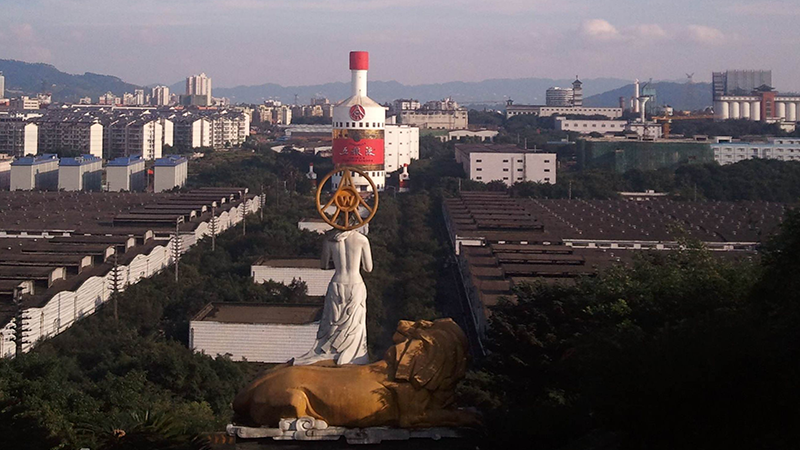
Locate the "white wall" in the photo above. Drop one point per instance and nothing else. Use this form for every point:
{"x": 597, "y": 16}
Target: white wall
{"x": 317, "y": 280}
{"x": 267, "y": 343}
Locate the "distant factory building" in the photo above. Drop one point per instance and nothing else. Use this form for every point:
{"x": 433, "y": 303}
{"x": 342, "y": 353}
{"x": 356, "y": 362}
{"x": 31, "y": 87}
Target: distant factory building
{"x": 749, "y": 94}
{"x": 584, "y": 126}
{"x": 126, "y": 173}
{"x": 563, "y": 102}
{"x": 482, "y": 135}
{"x": 82, "y": 173}
{"x": 781, "y": 149}
{"x": 622, "y": 154}
{"x": 18, "y": 136}
{"x": 439, "y": 115}
{"x": 35, "y": 173}
{"x": 170, "y": 172}
{"x": 506, "y": 163}
{"x": 254, "y": 332}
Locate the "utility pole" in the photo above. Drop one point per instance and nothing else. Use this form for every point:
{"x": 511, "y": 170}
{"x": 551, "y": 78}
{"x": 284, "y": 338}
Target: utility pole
{"x": 244, "y": 217}
{"x": 261, "y": 202}
{"x": 177, "y": 245}
{"x": 115, "y": 285}
{"x": 19, "y": 322}
{"x": 213, "y": 227}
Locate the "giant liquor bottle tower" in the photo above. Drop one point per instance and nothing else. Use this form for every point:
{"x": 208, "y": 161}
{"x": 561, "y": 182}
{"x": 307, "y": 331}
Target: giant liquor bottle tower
{"x": 358, "y": 128}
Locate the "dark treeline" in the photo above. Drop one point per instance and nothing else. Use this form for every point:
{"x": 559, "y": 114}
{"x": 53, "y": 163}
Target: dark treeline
{"x": 681, "y": 350}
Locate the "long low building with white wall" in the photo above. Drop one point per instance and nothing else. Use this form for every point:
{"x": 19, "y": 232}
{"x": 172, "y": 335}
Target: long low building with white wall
{"x": 255, "y": 332}
{"x": 781, "y": 149}
{"x": 585, "y": 126}
{"x": 285, "y": 271}
{"x": 143, "y": 239}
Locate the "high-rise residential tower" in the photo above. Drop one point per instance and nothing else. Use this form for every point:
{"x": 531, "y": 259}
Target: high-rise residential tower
{"x": 199, "y": 85}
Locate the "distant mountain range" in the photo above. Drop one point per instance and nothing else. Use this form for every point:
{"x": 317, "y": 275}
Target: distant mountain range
{"x": 23, "y": 78}
{"x": 681, "y": 96}
{"x": 490, "y": 92}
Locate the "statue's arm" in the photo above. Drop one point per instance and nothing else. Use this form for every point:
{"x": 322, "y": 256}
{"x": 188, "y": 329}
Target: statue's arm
{"x": 366, "y": 256}
{"x": 325, "y": 259}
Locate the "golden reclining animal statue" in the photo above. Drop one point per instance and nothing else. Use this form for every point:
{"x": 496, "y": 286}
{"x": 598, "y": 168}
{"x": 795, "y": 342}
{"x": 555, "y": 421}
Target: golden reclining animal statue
{"x": 412, "y": 387}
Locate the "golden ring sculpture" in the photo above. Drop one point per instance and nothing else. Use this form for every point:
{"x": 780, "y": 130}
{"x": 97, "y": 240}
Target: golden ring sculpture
{"x": 347, "y": 200}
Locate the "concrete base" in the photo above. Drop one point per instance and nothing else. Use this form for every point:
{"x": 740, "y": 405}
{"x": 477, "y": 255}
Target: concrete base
{"x": 310, "y": 429}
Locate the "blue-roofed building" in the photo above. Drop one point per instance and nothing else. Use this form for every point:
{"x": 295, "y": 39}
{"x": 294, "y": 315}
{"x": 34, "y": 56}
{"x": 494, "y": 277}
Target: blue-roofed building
{"x": 126, "y": 173}
{"x": 35, "y": 173}
{"x": 82, "y": 173}
{"x": 170, "y": 172}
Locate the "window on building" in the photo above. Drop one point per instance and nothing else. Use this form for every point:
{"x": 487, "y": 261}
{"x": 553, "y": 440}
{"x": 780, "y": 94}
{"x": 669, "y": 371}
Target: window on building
{"x": 478, "y": 160}
{"x": 547, "y": 179}
{"x": 505, "y": 170}
{"x": 547, "y": 161}
{"x": 478, "y": 178}
{"x": 519, "y": 170}
{"x": 505, "y": 178}
{"x": 547, "y": 170}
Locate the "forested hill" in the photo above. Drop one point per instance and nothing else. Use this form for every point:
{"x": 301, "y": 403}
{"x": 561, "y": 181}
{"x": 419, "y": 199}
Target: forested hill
{"x": 681, "y": 96}
{"x": 23, "y": 78}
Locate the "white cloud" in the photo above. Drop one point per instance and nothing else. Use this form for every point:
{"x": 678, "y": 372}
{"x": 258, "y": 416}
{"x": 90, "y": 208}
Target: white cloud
{"x": 600, "y": 30}
{"x": 650, "y": 31}
{"x": 702, "y": 34}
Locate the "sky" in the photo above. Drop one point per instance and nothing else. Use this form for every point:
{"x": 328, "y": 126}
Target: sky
{"x": 301, "y": 42}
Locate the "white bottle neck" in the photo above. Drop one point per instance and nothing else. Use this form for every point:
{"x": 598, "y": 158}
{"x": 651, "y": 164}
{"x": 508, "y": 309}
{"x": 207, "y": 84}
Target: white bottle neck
{"x": 359, "y": 82}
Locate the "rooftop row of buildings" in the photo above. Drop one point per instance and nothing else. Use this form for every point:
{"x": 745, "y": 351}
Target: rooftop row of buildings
{"x": 47, "y": 172}
{"x": 64, "y": 254}
{"x": 501, "y": 241}
{"x": 110, "y": 132}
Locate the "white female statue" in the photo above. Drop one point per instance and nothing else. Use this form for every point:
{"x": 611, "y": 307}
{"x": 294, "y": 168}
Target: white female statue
{"x": 342, "y": 334}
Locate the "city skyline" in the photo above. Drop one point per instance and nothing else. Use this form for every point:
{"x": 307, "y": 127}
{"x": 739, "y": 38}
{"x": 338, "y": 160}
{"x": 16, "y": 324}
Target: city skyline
{"x": 251, "y": 42}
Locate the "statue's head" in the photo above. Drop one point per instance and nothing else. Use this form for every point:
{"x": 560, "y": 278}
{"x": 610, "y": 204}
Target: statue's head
{"x": 430, "y": 355}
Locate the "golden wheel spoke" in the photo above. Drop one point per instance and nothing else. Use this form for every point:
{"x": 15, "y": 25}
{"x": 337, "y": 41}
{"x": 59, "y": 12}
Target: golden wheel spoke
{"x": 363, "y": 203}
{"x": 347, "y": 199}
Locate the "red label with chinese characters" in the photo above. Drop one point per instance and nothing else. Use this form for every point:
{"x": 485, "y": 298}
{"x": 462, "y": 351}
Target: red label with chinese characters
{"x": 364, "y": 152}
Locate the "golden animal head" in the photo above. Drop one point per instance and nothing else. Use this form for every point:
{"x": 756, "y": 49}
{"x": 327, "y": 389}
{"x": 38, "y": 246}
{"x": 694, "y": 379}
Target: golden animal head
{"x": 429, "y": 355}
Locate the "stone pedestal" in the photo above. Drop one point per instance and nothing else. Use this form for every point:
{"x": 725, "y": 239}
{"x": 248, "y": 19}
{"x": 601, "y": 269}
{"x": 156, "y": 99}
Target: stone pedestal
{"x": 310, "y": 429}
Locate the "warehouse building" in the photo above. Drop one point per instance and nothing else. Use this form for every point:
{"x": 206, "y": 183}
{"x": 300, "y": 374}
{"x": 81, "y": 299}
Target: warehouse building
{"x": 501, "y": 242}
{"x": 170, "y": 172}
{"x": 584, "y": 126}
{"x": 35, "y": 173}
{"x": 82, "y": 173}
{"x": 57, "y": 249}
